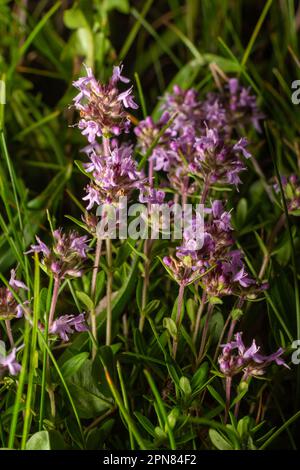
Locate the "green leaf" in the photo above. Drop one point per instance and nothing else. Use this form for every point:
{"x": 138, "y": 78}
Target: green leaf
{"x": 215, "y": 300}
{"x": 85, "y": 300}
{"x": 170, "y": 325}
{"x": 185, "y": 386}
{"x": 96, "y": 437}
{"x": 151, "y": 306}
{"x": 45, "y": 440}
{"x": 261, "y": 244}
{"x": 219, "y": 441}
{"x": 216, "y": 395}
{"x": 199, "y": 377}
{"x": 74, "y": 18}
{"x": 236, "y": 313}
{"x": 241, "y": 212}
{"x": 86, "y": 393}
{"x": 146, "y": 423}
{"x": 172, "y": 417}
{"x": 72, "y": 366}
{"x": 121, "y": 5}
{"x": 191, "y": 308}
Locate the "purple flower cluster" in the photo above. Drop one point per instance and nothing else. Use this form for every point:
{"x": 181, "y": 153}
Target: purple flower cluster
{"x": 236, "y": 357}
{"x": 236, "y": 107}
{"x": 103, "y": 109}
{"x": 112, "y": 175}
{"x": 219, "y": 269}
{"x": 66, "y": 325}
{"x": 65, "y": 257}
{"x": 9, "y": 307}
{"x": 198, "y": 142}
{"x": 218, "y": 162}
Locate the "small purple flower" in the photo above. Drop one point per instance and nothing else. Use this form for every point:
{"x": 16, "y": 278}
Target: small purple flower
{"x": 14, "y": 283}
{"x": 222, "y": 219}
{"x": 66, "y": 325}
{"x": 8, "y": 362}
{"x": 41, "y": 247}
{"x": 92, "y": 197}
{"x": 90, "y": 129}
{"x": 117, "y": 75}
{"x": 127, "y": 99}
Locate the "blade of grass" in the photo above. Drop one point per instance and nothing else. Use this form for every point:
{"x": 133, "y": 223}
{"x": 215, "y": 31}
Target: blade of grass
{"x": 64, "y": 385}
{"x": 45, "y": 357}
{"x": 161, "y": 407}
{"x": 132, "y": 35}
{"x": 256, "y": 32}
{"x": 130, "y": 423}
{"x": 37, "y": 124}
{"x": 280, "y": 430}
{"x": 293, "y": 252}
{"x": 32, "y": 36}
{"x": 141, "y": 95}
{"x": 33, "y": 361}
{"x": 125, "y": 399}
{"x": 156, "y": 36}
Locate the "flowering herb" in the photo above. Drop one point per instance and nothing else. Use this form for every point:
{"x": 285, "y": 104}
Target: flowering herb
{"x": 236, "y": 358}
{"x": 65, "y": 257}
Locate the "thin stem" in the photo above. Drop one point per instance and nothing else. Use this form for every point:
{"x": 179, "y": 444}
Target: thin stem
{"x": 109, "y": 292}
{"x": 231, "y": 330}
{"x": 205, "y": 190}
{"x": 147, "y": 250}
{"x": 228, "y": 393}
{"x": 178, "y": 318}
{"x": 198, "y": 318}
{"x": 50, "y": 321}
{"x": 234, "y": 322}
{"x": 45, "y": 371}
{"x": 96, "y": 267}
{"x": 93, "y": 321}
{"x": 147, "y": 247}
{"x": 106, "y": 146}
{"x": 237, "y": 405}
{"x": 205, "y": 331}
{"x": 221, "y": 338}
{"x": 237, "y": 409}
{"x": 54, "y": 301}
{"x": 9, "y": 332}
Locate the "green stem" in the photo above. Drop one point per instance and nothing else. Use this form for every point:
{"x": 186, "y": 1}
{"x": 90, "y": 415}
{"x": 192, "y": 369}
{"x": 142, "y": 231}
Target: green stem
{"x": 228, "y": 393}
{"x": 205, "y": 331}
{"x": 109, "y": 292}
{"x": 178, "y": 318}
{"x": 33, "y": 363}
{"x": 198, "y": 318}
{"x": 93, "y": 319}
{"x": 45, "y": 359}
